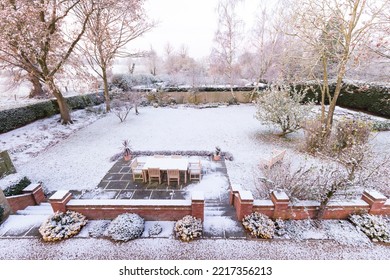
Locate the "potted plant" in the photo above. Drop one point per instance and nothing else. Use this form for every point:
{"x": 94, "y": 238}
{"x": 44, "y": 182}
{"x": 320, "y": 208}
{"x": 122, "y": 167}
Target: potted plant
{"x": 126, "y": 150}
{"x": 217, "y": 153}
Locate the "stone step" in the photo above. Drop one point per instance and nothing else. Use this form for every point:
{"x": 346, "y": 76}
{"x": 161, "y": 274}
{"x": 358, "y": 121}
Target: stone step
{"x": 42, "y": 209}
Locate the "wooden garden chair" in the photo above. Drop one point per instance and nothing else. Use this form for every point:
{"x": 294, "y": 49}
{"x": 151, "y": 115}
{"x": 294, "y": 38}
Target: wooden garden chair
{"x": 154, "y": 173}
{"x": 173, "y": 174}
{"x": 195, "y": 170}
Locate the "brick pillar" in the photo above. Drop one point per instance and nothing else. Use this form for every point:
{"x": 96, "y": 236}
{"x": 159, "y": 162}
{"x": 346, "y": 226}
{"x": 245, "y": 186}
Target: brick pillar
{"x": 234, "y": 189}
{"x": 244, "y": 205}
{"x": 375, "y": 199}
{"x": 59, "y": 200}
{"x": 280, "y": 201}
{"x": 37, "y": 192}
{"x": 197, "y": 205}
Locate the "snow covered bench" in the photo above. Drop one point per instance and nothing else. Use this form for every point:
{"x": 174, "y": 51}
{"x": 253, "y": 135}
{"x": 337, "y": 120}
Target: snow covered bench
{"x": 277, "y": 156}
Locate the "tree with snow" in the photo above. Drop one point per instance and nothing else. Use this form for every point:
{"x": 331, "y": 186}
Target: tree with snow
{"x": 110, "y": 28}
{"x": 332, "y": 31}
{"x": 227, "y": 38}
{"x": 279, "y": 105}
{"x": 41, "y": 45}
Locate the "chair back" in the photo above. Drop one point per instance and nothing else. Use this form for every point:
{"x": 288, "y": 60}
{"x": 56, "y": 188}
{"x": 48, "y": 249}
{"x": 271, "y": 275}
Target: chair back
{"x": 173, "y": 173}
{"x": 154, "y": 172}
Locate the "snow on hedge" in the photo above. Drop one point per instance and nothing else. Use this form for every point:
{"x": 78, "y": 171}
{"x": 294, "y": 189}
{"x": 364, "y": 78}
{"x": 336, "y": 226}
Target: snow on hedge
{"x": 126, "y": 227}
{"x": 61, "y": 225}
{"x": 375, "y": 227}
{"x": 259, "y": 225}
{"x": 188, "y": 228}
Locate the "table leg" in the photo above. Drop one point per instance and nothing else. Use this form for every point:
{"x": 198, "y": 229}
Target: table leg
{"x": 145, "y": 173}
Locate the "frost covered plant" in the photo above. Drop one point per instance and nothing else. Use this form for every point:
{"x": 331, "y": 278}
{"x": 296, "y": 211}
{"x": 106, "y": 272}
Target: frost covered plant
{"x": 126, "y": 227}
{"x": 61, "y": 225}
{"x": 156, "y": 229}
{"x": 375, "y": 227}
{"x": 259, "y": 225}
{"x": 188, "y": 228}
{"x": 281, "y": 106}
{"x": 280, "y": 227}
{"x": 98, "y": 228}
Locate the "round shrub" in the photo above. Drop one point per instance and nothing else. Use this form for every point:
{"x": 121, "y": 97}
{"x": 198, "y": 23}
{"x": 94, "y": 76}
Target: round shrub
{"x": 375, "y": 227}
{"x": 259, "y": 225}
{"x": 61, "y": 225}
{"x": 156, "y": 229}
{"x": 188, "y": 228}
{"x": 126, "y": 227}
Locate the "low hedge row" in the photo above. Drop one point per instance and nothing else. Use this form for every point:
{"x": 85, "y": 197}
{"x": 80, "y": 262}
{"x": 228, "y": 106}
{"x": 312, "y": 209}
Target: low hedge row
{"x": 374, "y": 99}
{"x": 17, "y": 117}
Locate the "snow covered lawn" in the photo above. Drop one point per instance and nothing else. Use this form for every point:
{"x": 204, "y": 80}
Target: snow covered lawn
{"x": 78, "y": 156}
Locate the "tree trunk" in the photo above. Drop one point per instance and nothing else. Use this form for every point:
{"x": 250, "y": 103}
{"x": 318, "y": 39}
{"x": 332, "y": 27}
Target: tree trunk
{"x": 37, "y": 90}
{"x": 64, "y": 110}
{"x": 106, "y": 93}
{"x": 332, "y": 104}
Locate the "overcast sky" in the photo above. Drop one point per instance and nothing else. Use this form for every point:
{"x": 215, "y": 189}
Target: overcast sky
{"x": 188, "y": 22}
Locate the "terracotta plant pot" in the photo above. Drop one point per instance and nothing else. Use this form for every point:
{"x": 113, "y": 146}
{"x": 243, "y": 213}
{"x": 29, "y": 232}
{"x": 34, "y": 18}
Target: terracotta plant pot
{"x": 127, "y": 157}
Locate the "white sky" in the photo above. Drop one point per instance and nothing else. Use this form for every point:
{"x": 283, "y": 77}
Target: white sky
{"x": 188, "y": 22}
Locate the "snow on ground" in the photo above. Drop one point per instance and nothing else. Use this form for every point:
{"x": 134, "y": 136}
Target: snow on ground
{"x": 67, "y": 157}
{"x": 212, "y": 185}
{"x": 217, "y": 224}
{"x": 16, "y": 224}
{"x": 172, "y": 249}
{"x": 73, "y": 158}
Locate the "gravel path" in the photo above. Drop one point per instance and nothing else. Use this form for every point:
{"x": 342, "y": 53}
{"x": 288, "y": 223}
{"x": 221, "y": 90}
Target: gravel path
{"x": 170, "y": 249}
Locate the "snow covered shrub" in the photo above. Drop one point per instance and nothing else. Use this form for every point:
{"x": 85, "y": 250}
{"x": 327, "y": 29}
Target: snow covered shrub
{"x": 17, "y": 189}
{"x": 314, "y": 136}
{"x": 156, "y": 229}
{"x": 280, "y": 227}
{"x": 381, "y": 125}
{"x": 259, "y": 225}
{"x": 188, "y": 228}
{"x": 279, "y": 105}
{"x": 351, "y": 132}
{"x": 126, "y": 227}
{"x": 98, "y": 228}
{"x": 375, "y": 227}
{"x": 121, "y": 109}
{"x": 61, "y": 225}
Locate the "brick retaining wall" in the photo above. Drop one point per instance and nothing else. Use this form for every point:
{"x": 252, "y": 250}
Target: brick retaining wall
{"x": 32, "y": 195}
{"x": 279, "y": 206}
{"x": 150, "y": 209}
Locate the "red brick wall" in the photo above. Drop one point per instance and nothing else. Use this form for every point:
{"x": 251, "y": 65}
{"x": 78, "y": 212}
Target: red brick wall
{"x": 20, "y": 202}
{"x": 266, "y": 210}
{"x": 39, "y": 196}
{"x": 149, "y": 213}
{"x": 282, "y": 209}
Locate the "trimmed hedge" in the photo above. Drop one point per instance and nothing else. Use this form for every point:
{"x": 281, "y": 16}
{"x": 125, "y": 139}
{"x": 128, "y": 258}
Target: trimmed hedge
{"x": 17, "y": 117}
{"x": 373, "y": 99}
{"x": 17, "y": 188}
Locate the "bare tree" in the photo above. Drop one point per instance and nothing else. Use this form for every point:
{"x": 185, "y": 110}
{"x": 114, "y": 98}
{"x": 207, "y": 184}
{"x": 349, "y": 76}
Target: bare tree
{"x": 41, "y": 45}
{"x": 227, "y": 39}
{"x": 112, "y": 26}
{"x": 332, "y": 30}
